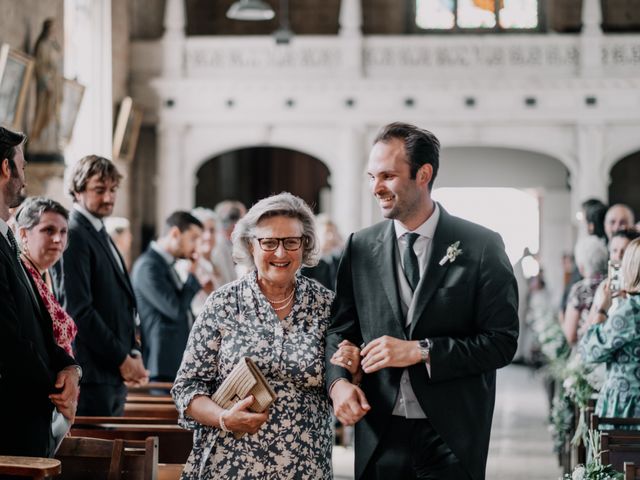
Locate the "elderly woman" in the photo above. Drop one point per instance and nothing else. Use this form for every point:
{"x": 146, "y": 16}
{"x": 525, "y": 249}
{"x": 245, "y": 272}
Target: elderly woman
{"x": 42, "y": 229}
{"x": 278, "y": 318}
{"x": 591, "y": 258}
{"x": 616, "y": 342}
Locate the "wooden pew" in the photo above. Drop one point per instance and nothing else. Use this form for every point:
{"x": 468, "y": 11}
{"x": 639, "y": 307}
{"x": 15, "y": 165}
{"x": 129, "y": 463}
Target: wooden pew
{"x": 166, "y": 411}
{"x": 615, "y": 422}
{"x": 160, "y": 399}
{"x": 29, "y": 467}
{"x": 98, "y": 459}
{"x": 175, "y": 442}
{"x": 150, "y": 387}
{"x": 619, "y": 447}
{"x": 631, "y": 472}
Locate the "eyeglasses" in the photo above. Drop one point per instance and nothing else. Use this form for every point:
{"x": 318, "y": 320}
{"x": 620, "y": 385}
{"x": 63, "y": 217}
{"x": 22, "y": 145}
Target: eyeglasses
{"x": 290, "y": 244}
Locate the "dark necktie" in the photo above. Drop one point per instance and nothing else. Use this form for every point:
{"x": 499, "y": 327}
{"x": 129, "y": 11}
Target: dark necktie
{"x": 410, "y": 261}
{"x": 14, "y": 245}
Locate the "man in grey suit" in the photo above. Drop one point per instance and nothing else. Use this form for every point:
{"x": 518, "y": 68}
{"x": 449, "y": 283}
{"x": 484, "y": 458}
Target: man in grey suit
{"x": 432, "y": 301}
{"x": 95, "y": 289}
{"x": 163, "y": 299}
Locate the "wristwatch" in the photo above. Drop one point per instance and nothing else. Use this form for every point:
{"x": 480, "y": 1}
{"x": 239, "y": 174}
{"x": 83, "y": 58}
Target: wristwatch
{"x": 425, "y": 349}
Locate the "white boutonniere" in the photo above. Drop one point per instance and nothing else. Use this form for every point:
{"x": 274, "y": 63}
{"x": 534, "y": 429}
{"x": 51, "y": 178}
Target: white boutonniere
{"x": 452, "y": 253}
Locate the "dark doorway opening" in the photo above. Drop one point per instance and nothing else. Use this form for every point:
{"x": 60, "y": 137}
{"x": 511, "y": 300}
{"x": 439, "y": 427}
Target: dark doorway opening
{"x": 250, "y": 174}
{"x": 625, "y": 178}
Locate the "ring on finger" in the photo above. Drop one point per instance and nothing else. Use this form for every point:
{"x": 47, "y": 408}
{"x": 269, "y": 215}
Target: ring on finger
{"x": 349, "y": 362}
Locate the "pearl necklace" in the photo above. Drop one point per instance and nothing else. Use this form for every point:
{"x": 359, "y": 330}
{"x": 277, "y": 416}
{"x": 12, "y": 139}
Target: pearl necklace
{"x": 278, "y": 309}
{"x": 277, "y": 302}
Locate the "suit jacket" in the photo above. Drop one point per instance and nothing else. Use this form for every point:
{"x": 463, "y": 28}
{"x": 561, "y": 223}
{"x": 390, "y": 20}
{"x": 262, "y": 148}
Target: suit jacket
{"x": 29, "y": 362}
{"x": 99, "y": 297}
{"x": 468, "y": 308}
{"x": 164, "y": 311}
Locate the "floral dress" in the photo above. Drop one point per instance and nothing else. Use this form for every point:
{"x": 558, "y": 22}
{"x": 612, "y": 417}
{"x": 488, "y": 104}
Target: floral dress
{"x": 237, "y": 321}
{"x": 617, "y": 342}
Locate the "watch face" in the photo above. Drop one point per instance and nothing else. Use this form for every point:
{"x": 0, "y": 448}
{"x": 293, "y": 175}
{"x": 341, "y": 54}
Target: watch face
{"x": 426, "y": 343}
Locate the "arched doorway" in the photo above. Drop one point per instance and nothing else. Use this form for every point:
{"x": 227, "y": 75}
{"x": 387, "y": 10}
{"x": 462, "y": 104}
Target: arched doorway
{"x": 250, "y": 174}
{"x": 625, "y": 178}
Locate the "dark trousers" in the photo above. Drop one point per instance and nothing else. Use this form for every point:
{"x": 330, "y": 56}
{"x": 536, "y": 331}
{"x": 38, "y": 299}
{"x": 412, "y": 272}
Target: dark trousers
{"x": 102, "y": 400}
{"x": 411, "y": 449}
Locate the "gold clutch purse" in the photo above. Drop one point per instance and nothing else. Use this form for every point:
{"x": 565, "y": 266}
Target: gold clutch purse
{"x": 245, "y": 379}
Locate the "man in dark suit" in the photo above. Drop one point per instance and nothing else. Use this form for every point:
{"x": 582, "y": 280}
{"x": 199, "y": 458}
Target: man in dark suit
{"x": 163, "y": 299}
{"x": 433, "y": 302}
{"x": 36, "y": 375}
{"x": 96, "y": 291}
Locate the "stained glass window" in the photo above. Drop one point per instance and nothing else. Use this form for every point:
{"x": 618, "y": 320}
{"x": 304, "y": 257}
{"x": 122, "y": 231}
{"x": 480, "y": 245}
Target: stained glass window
{"x": 489, "y": 15}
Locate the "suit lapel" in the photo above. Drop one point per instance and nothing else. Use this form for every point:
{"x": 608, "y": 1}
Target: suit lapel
{"x": 85, "y": 223}
{"x": 384, "y": 252}
{"x": 435, "y": 272}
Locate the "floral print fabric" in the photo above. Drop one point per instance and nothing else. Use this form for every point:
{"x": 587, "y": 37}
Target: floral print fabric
{"x": 64, "y": 328}
{"x": 617, "y": 342}
{"x": 237, "y": 321}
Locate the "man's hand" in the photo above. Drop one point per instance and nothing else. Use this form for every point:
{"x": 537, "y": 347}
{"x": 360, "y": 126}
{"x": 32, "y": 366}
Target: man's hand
{"x": 133, "y": 371}
{"x": 67, "y": 400}
{"x": 388, "y": 351}
{"x": 349, "y": 402}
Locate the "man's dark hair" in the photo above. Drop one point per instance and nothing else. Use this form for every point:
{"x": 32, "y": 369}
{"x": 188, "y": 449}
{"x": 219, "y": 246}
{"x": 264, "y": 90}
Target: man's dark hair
{"x": 421, "y": 146}
{"x": 89, "y": 166}
{"x": 594, "y": 213}
{"x": 182, "y": 220}
{"x": 629, "y": 233}
{"x": 9, "y": 140}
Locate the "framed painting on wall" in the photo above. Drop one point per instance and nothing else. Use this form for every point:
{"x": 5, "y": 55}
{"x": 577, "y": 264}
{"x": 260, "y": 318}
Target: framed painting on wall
{"x": 71, "y": 100}
{"x": 125, "y": 135}
{"x": 16, "y": 69}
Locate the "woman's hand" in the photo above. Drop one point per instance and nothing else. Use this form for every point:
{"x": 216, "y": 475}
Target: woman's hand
{"x": 348, "y": 356}
{"x": 239, "y": 419}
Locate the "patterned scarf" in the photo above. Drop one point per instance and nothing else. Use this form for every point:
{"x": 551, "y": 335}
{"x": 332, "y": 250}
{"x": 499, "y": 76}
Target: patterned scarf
{"x": 64, "y": 328}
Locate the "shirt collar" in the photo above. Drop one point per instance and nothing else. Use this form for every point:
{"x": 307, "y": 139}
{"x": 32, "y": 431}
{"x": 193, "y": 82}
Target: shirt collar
{"x": 4, "y": 228}
{"x": 166, "y": 256}
{"x": 427, "y": 229}
{"x": 95, "y": 221}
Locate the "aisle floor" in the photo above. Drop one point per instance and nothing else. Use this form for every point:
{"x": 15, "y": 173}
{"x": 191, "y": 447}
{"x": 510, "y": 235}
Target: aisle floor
{"x": 520, "y": 441}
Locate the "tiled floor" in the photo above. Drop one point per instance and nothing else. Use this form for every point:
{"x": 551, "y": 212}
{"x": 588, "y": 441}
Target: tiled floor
{"x": 520, "y": 442}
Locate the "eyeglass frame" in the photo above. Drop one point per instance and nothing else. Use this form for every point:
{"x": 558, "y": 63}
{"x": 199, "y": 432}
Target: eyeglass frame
{"x": 281, "y": 241}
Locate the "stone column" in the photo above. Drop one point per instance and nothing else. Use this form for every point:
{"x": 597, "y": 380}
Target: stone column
{"x": 351, "y": 37}
{"x": 591, "y": 179}
{"x": 591, "y": 39}
{"x": 347, "y": 182}
{"x": 173, "y": 39}
{"x": 170, "y": 179}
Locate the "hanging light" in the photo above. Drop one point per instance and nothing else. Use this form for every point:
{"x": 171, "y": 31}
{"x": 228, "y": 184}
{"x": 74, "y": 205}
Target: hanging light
{"x": 253, "y": 10}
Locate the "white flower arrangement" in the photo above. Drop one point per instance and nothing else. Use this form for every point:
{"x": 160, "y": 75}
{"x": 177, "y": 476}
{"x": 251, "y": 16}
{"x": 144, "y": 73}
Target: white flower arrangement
{"x": 452, "y": 253}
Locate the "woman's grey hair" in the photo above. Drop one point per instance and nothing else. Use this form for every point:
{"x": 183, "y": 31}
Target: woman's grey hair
{"x": 281, "y": 205}
{"x": 203, "y": 214}
{"x": 591, "y": 255}
{"x": 30, "y": 212}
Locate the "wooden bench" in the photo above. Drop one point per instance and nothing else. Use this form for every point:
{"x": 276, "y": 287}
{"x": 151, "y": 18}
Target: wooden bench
{"x": 619, "y": 447}
{"x": 30, "y": 467}
{"x": 631, "y": 472}
{"x": 118, "y": 459}
{"x": 158, "y": 410}
{"x": 175, "y": 443}
{"x": 161, "y": 399}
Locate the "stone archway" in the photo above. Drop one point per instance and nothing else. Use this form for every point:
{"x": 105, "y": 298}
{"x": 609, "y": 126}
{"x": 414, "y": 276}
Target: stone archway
{"x": 249, "y": 174}
{"x": 625, "y": 178}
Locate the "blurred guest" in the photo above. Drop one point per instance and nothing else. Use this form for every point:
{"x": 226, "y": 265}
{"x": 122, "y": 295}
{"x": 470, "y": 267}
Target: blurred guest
{"x": 206, "y": 270}
{"x": 278, "y": 318}
{"x": 228, "y": 212}
{"x": 608, "y": 294}
{"x": 618, "y": 217}
{"x": 164, "y": 301}
{"x": 119, "y": 229}
{"x": 591, "y": 257}
{"x": 42, "y": 228}
{"x": 331, "y": 244}
{"x": 615, "y": 341}
{"x": 594, "y": 211}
